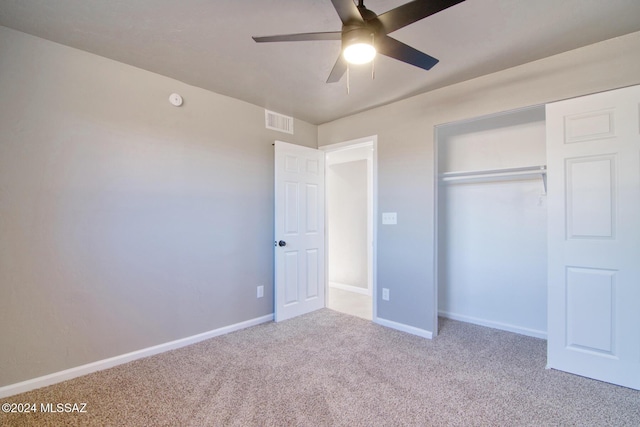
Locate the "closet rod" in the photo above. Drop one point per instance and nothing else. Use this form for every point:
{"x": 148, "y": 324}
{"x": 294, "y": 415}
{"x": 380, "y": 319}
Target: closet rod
{"x": 491, "y": 173}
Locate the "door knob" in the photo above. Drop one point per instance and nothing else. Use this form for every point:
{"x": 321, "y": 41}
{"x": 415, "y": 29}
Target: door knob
{"x": 282, "y": 243}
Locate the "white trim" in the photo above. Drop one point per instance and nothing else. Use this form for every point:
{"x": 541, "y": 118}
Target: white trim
{"x": 495, "y": 325}
{"x": 436, "y": 229}
{"x": 404, "y": 328}
{"x": 347, "y": 145}
{"x": 374, "y": 238}
{"x": 350, "y": 288}
{"x": 78, "y": 371}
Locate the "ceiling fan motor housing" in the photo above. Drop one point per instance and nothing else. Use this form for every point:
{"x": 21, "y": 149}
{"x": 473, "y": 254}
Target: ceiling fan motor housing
{"x": 352, "y": 34}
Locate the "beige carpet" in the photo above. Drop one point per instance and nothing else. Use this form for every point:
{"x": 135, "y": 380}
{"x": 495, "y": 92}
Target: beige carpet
{"x": 330, "y": 369}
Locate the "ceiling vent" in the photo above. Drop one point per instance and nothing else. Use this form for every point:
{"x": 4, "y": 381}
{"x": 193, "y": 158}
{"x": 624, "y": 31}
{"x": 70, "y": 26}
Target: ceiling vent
{"x": 279, "y": 122}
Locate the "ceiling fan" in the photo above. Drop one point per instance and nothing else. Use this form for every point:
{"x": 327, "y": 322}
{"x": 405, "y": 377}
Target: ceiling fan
{"x": 364, "y": 33}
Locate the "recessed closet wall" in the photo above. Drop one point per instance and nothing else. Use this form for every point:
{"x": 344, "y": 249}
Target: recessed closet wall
{"x": 492, "y": 221}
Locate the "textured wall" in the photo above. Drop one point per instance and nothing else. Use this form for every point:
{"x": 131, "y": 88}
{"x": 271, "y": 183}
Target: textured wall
{"x": 125, "y": 222}
{"x": 405, "y": 130}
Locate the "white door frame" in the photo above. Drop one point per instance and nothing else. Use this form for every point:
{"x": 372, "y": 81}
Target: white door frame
{"x": 370, "y": 141}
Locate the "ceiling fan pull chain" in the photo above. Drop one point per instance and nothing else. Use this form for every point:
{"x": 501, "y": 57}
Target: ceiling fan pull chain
{"x": 373, "y": 61}
{"x": 348, "y": 78}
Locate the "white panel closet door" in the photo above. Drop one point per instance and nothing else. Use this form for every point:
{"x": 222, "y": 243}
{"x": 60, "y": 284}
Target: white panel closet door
{"x": 299, "y": 230}
{"x": 593, "y": 156}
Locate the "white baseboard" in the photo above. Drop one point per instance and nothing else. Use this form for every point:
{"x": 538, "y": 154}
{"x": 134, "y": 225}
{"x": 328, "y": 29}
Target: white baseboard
{"x": 100, "y": 365}
{"x": 495, "y": 325}
{"x": 350, "y": 288}
{"x": 404, "y": 328}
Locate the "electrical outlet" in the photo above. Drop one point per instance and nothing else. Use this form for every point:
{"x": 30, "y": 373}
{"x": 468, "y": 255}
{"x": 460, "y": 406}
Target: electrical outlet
{"x": 389, "y": 218}
{"x": 260, "y": 293}
{"x": 385, "y": 294}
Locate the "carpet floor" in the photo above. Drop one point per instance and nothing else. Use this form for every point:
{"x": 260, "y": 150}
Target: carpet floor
{"x": 330, "y": 369}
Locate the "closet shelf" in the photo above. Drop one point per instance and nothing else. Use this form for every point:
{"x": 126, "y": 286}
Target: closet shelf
{"x": 497, "y": 174}
{"x": 488, "y": 173}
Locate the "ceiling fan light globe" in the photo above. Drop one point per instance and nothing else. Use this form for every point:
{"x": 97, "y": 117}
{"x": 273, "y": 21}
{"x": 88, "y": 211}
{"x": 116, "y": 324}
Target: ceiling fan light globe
{"x": 359, "y": 53}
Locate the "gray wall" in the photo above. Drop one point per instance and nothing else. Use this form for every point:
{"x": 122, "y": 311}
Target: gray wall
{"x": 405, "y": 131}
{"x": 125, "y": 222}
{"x": 346, "y": 185}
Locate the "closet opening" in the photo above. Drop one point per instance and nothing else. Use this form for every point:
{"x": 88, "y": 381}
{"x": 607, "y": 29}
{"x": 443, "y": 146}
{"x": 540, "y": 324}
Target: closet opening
{"x": 491, "y": 219}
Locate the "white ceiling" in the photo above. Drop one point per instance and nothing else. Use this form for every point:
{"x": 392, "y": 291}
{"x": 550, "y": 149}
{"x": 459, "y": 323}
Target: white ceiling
{"x": 208, "y": 43}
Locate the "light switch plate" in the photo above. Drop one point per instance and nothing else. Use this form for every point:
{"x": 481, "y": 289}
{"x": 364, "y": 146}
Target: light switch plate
{"x": 389, "y": 218}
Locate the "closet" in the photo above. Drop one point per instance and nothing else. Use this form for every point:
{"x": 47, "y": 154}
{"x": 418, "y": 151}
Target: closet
{"x": 563, "y": 267}
{"x": 492, "y": 221}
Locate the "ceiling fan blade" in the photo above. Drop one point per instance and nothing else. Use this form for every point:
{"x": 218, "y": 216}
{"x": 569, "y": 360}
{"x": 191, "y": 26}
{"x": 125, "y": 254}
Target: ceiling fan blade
{"x": 347, "y": 11}
{"x": 393, "y": 48}
{"x": 338, "y": 70}
{"x": 411, "y": 12}
{"x": 332, "y": 35}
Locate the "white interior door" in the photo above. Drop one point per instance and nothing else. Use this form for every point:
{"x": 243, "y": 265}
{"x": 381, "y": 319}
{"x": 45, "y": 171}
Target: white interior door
{"x": 593, "y": 149}
{"x": 299, "y": 230}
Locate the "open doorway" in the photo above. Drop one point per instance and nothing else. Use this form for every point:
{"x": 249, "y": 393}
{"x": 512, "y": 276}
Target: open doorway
{"x": 350, "y": 196}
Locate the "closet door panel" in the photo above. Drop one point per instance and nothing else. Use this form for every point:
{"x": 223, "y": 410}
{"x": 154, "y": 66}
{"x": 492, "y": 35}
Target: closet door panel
{"x": 590, "y": 197}
{"x": 593, "y": 147}
{"x": 590, "y": 126}
{"x": 591, "y": 309}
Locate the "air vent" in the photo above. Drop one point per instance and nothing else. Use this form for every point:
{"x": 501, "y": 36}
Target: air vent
{"x": 278, "y": 122}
